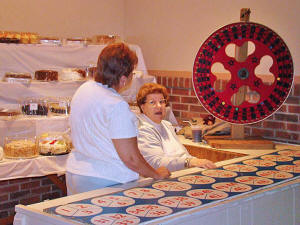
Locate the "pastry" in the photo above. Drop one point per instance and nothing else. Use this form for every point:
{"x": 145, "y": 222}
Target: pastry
{"x": 22, "y": 148}
{"x": 46, "y": 75}
{"x": 53, "y": 144}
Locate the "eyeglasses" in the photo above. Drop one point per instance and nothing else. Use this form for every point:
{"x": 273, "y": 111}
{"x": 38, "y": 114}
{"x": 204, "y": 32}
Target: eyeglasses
{"x": 153, "y": 103}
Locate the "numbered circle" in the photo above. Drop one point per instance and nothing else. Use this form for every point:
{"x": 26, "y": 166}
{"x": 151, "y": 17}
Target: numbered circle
{"x": 113, "y": 201}
{"x": 171, "y": 186}
{"x": 114, "y": 219}
{"x": 208, "y": 194}
{"x": 259, "y": 163}
{"x": 289, "y": 168}
{"x": 144, "y": 193}
{"x": 219, "y": 173}
{"x": 254, "y": 180}
{"x": 274, "y": 174}
{"x": 179, "y": 202}
{"x": 289, "y": 152}
{"x": 277, "y": 158}
{"x": 196, "y": 179}
{"x": 231, "y": 187}
{"x": 78, "y": 210}
{"x": 149, "y": 210}
{"x": 240, "y": 168}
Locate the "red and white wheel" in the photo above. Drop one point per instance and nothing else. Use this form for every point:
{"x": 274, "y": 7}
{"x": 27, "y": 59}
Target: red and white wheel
{"x": 270, "y": 96}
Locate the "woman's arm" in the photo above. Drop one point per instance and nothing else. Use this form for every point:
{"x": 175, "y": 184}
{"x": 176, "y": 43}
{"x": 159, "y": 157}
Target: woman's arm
{"x": 129, "y": 153}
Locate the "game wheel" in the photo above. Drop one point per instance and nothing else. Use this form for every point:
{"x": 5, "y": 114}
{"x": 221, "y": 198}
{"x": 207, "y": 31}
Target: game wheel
{"x": 269, "y": 95}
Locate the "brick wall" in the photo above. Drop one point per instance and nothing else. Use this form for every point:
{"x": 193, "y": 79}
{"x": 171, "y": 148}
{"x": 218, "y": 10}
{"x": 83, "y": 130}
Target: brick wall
{"x": 284, "y": 125}
{"x": 25, "y": 191}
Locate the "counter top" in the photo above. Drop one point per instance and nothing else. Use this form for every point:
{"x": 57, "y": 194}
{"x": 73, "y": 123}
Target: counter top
{"x": 238, "y": 204}
{"x": 146, "y": 181}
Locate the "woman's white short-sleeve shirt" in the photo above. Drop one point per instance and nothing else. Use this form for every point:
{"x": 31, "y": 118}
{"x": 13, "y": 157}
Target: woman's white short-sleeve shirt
{"x": 98, "y": 115}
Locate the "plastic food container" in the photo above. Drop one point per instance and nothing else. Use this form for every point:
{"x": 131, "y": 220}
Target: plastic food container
{"x": 59, "y": 106}
{"x": 54, "y": 143}
{"x": 17, "y": 77}
{"x": 20, "y": 147}
{"x": 34, "y": 107}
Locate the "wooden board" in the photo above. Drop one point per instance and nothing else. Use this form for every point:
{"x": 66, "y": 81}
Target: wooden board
{"x": 226, "y": 142}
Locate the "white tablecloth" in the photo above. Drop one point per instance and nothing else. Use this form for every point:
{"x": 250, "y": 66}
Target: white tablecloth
{"x": 32, "y": 57}
{"x": 34, "y": 167}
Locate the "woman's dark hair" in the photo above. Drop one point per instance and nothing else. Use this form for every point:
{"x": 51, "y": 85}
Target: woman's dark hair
{"x": 114, "y": 61}
{"x": 150, "y": 88}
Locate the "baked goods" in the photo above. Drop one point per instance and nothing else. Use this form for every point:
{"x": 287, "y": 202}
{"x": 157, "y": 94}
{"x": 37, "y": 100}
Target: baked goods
{"x": 60, "y": 107}
{"x": 80, "y": 71}
{"x": 46, "y": 75}
{"x": 18, "y": 37}
{"x": 54, "y": 144}
{"x": 17, "y": 77}
{"x": 105, "y": 39}
{"x": 70, "y": 74}
{"x": 22, "y": 148}
{"x": 9, "y": 40}
{"x": 9, "y": 112}
{"x": 32, "y": 106}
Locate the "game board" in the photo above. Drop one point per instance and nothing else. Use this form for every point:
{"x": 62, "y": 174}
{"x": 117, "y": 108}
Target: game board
{"x": 174, "y": 196}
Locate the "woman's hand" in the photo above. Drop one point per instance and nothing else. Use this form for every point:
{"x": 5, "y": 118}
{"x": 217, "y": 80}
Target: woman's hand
{"x": 203, "y": 163}
{"x": 163, "y": 173}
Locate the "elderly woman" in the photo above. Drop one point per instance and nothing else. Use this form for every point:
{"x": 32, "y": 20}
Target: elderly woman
{"x": 157, "y": 140}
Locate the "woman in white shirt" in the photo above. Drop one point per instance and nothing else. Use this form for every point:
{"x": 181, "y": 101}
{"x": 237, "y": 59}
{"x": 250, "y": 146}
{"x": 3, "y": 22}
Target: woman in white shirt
{"x": 157, "y": 140}
{"x": 103, "y": 129}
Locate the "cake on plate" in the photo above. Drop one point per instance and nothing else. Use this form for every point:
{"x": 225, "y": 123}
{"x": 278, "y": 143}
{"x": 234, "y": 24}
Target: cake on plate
{"x": 71, "y": 74}
{"x": 22, "y": 148}
{"x": 53, "y": 144}
{"x": 46, "y": 75}
{"x": 17, "y": 77}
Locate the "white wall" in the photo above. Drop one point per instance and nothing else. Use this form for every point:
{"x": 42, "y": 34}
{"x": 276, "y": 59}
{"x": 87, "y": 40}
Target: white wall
{"x": 170, "y": 32}
{"x": 63, "y": 18}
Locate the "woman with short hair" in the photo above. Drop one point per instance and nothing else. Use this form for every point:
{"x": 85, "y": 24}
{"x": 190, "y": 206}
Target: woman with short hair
{"x": 157, "y": 140}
